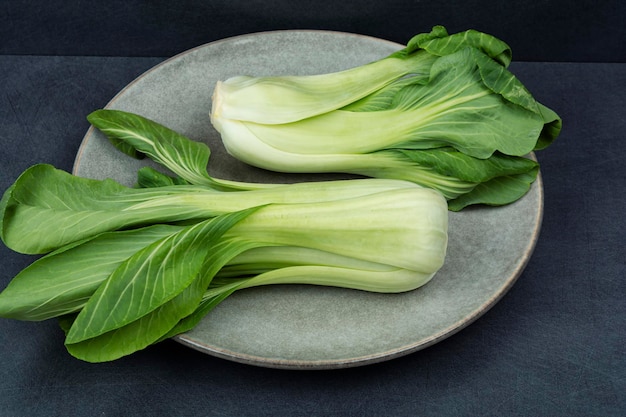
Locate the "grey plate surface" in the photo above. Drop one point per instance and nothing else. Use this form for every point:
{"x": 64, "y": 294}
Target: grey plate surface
{"x": 305, "y": 327}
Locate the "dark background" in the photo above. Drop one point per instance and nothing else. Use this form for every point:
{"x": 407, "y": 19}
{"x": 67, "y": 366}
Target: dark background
{"x": 539, "y": 30}
{"x": 553, "y": 346}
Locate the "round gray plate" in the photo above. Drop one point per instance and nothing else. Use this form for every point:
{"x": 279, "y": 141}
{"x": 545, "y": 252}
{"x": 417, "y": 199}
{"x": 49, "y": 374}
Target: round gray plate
{"x": 302, "y": 326}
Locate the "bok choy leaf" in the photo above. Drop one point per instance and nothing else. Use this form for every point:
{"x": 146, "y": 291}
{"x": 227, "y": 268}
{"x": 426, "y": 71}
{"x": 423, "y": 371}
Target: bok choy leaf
{"x": 62, "y": 281}
{"x": 124, "y": 315}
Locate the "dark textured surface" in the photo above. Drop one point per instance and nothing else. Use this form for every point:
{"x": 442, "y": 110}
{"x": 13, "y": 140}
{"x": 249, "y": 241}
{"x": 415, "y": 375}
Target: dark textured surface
{"x": 556, "y": 30}
{"x": 553, "y": 346}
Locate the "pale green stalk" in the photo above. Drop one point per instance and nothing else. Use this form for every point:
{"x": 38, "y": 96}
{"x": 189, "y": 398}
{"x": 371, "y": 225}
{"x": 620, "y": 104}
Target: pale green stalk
{"x": 394, "y": 281}
{"x": 405, "y": 228}
{"x": 286, "y": 99}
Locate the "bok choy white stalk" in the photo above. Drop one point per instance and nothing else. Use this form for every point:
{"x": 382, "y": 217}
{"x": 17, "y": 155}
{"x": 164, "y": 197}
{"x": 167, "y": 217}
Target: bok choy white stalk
{"x": 123, "y": 268}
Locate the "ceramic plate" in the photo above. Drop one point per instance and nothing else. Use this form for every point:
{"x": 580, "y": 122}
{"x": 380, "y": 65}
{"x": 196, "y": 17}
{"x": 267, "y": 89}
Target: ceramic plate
{"x": 302, "y": 326}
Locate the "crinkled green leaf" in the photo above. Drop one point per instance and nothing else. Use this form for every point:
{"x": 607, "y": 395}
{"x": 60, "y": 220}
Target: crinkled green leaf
{"x": 439, "y": 42}
{"x": 475, "y": 105}
{"x": 497, "y": 191}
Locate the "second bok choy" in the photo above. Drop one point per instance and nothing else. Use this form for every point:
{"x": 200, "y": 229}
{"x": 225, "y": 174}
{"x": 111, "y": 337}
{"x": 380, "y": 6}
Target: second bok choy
{"x": 443, "y": 112}
{"x": 123, "y": 268}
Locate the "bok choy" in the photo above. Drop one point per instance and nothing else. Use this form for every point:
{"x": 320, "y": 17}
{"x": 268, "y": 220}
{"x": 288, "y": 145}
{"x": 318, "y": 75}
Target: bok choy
{"x": 460, "y": 123}
{"x": 124, "y": 268}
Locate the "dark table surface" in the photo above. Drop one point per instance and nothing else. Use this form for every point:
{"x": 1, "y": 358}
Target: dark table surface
{"x": 555, "y": 345}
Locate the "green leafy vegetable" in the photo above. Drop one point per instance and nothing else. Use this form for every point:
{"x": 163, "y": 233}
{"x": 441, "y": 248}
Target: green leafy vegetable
{"x": 124, "y": 268}
{"x": 464, "y": 99}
